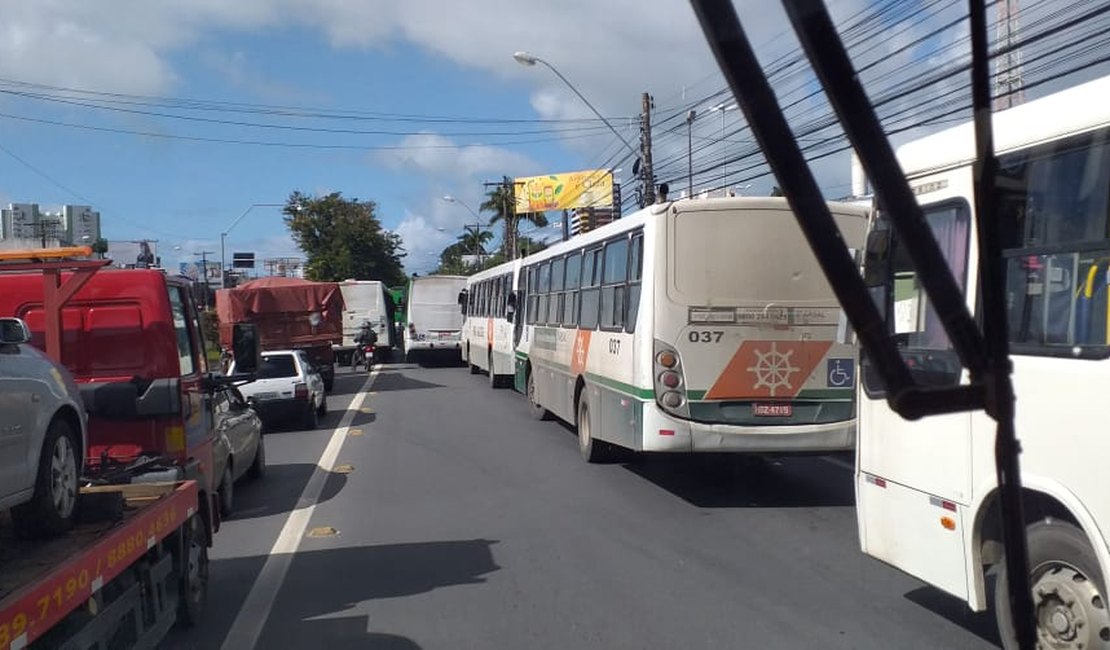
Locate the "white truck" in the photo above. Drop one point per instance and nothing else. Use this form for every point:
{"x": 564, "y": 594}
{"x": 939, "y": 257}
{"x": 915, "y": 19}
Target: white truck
{"x": 366, "y": 301}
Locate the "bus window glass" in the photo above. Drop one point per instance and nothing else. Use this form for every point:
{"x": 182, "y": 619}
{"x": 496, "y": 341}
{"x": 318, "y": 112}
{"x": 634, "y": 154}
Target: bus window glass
{"x": 555, "y": 307}
{"x": 635, "y": 271}
{"x": 570, "y": 302}
{"x": 589, "y": 296}
{"x": 611, "y": 313}
{"x": 1053, "y": 212}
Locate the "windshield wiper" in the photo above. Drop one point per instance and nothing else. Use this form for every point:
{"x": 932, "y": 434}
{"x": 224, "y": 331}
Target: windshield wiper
{"x": 985, "y": 353}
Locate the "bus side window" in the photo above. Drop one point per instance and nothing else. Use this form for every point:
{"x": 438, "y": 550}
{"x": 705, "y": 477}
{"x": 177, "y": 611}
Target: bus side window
{"x": 555, "y": 307}
{"x": 570, "y": 302}
{"x": 590, "y": 293}
{"x": 614, "y": 284}
{"x": 635, "y": 276}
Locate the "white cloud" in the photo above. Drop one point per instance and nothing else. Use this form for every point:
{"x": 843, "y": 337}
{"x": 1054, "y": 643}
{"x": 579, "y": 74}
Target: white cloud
{"x": 437, "y": 156}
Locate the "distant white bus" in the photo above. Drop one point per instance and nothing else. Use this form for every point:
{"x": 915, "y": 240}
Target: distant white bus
{"x": 927, "y": 494}
{"x": 489, "y": 304}
{"x": 432, "y": 313}
{"x": 366, "y": 301}
{"x": 699, "y": 325}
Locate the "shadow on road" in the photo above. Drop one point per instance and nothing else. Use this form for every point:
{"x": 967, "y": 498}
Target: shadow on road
{"x": 740, "y": 481}
{"x": 981, "y": 624}
{"x": 279, "y": 490}
{"x": 397, "y": 381}
{"x": 321, "y": 602}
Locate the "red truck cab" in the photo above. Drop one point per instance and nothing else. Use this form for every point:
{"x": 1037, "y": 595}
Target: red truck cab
{"x": 132, "y": 340}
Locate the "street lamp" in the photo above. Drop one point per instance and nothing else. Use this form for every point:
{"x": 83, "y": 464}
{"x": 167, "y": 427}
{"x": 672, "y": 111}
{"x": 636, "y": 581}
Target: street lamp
{"x": 223, "y": 235}
{"x": 478, "y": 225}
{"x": 722, "y": 107}
{"x": 524, "y": 58}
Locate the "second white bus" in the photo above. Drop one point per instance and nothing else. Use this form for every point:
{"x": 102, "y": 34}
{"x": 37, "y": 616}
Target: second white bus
{"x": 693, "y": 326}
{"x": 489, "y": 304}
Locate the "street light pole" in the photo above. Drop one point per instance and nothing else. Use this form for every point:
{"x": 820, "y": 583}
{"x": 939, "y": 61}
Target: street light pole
{"x": 690, "y": 151}
{"x": 524, "y": 58}
{"x": 478, "y": 225}
{"x": 223, "y": 235}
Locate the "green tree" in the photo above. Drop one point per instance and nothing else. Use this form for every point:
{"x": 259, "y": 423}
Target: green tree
{"x": 500, "y": 202}
{"x": 99, "y": 247}
{"x": 343, "y": 238}
{"x": 473, "y": 242}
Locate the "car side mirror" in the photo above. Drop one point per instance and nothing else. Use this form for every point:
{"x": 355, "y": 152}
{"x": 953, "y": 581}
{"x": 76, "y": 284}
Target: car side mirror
{"x": 245, "y": 348}
{"x": 13, "y": 331}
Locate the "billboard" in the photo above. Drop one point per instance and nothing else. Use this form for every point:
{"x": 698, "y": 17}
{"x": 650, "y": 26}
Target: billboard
{"x": 195, "y": 272}
{"x": 141, "y": 254}
{"x": 592, "y": 188}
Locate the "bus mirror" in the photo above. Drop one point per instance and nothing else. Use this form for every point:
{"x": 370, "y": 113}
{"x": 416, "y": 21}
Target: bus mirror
{"x": 462, "y": 297}
{"x": 876, "y": 259}
{"x": 245, "y": 348}
{"x": 512, "y": 300}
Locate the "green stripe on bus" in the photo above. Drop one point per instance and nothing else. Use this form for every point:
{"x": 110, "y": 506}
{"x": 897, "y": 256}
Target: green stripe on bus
{"x": 521, "y": 356}
{"x": 628, "y": 389}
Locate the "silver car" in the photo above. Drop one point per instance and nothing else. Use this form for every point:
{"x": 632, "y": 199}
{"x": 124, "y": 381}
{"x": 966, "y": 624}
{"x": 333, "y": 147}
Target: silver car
{"x": 42, "y": 435}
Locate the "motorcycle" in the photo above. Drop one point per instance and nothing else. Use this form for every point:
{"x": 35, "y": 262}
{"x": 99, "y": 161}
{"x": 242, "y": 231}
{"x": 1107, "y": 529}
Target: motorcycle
{"x": 363, "y": 355}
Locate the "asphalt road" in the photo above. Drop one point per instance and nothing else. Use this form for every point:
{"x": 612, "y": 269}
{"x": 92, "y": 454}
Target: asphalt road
{"x": 458, "y": 522}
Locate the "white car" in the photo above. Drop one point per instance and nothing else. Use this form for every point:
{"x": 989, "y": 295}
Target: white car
{"x": 286, "y": 388}
{"x": 43, "y": 428}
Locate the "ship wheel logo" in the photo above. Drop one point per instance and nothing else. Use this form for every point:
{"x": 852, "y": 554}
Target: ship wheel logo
{"x": 772, "y": 369}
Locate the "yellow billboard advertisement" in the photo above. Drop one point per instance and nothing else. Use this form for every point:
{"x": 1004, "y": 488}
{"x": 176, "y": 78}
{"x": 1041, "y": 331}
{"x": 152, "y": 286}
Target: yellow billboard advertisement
{"x": 592, "y": 188}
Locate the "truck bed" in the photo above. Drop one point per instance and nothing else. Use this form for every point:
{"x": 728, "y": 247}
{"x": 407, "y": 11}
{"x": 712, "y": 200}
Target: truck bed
{"x": 41, "y": 581}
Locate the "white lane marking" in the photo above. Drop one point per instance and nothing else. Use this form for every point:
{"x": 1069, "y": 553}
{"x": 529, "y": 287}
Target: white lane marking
{"x": 839, "y": 463}
{"x": 249, "y": 622}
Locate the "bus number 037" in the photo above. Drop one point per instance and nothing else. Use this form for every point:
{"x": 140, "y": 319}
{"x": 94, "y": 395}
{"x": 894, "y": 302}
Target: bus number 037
{"x": 705, "y": 336}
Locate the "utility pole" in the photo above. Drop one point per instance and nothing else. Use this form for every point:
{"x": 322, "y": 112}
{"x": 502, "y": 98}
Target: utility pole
{"x": 690, "y": 115}
{"x": 646, "y": 172}
{"x": 1008, "y": 83}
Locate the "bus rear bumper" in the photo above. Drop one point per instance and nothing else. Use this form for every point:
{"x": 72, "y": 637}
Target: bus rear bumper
{"x": 662, "y": 432}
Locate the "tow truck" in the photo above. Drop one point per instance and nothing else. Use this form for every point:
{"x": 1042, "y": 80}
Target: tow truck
{"x": 136, "y": 562}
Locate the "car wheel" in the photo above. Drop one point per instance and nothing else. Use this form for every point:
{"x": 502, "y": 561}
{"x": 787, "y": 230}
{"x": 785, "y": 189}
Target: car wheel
{"x": 329, "y": 382}
{"x": 258, "y": 467}
{"x": 311, "y": 419}
{"x": 50, "y": 510}
{"x": 226, "y": 492}
{"x": 322, "y": 410}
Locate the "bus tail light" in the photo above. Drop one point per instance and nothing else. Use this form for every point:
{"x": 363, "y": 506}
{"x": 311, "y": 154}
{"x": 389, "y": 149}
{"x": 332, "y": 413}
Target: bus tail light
{"x": 670, "y": 387}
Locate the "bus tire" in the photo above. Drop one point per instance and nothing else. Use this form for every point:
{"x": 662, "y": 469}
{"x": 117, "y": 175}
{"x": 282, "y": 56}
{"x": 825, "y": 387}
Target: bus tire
{"x": 494, "y": 378}
{"x": 1063, "y": 569}
{"x": 470, "y": 365}
{"x": 593, "y": 451}
{"x": 534, "y": 409}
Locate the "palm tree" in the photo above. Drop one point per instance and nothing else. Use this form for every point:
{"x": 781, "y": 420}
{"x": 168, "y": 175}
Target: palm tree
{"x": 473, "y": 242}
{"x": 499, "y": 201}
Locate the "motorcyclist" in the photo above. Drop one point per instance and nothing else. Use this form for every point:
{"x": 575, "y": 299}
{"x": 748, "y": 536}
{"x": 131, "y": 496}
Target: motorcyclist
{"x": 366, "y": 336}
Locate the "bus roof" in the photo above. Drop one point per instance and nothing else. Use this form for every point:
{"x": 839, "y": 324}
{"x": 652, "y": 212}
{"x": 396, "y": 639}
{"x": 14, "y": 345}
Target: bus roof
{"x": 494, "y": 271}
{"x": 1074, "y": 110}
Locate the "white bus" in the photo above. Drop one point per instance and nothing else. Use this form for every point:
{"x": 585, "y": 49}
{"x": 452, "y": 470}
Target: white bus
{"x": 926, "y": 490}
{"x": 699, "y": 325}
{"x": 489, "y": 304}
{"x": 432, "y": 312}
{"x": 366, "y": 301}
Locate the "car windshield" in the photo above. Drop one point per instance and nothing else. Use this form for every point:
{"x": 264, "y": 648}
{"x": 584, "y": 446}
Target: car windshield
{"x": 275, "y": 366}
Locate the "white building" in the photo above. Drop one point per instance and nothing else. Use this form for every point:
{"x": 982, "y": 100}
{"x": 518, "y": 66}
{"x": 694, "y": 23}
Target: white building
{"x": 82, "y": 224}
{"x": 20, "y": 221}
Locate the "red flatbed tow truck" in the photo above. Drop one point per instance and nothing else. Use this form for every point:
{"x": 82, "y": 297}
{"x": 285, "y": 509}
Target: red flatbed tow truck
{"x": 134, "y": 564}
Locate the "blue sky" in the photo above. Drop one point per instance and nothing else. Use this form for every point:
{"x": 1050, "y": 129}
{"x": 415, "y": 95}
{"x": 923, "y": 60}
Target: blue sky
{"x": 416, "y": 58}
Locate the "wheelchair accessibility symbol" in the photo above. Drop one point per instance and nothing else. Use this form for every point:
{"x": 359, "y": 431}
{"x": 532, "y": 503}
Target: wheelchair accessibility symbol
{"x": 841, "y": 373}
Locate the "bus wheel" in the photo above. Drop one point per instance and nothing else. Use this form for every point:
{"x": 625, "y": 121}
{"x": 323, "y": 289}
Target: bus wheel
{"x": 594, "y": 451}
{"x": 1069, "y": 593}
{"x": 470, "y": 365}
{"x": 534, "y": 409}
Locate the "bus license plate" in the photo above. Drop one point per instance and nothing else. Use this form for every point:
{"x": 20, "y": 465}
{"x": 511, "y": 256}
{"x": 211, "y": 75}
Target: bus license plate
{"x": 773, "y": 410}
